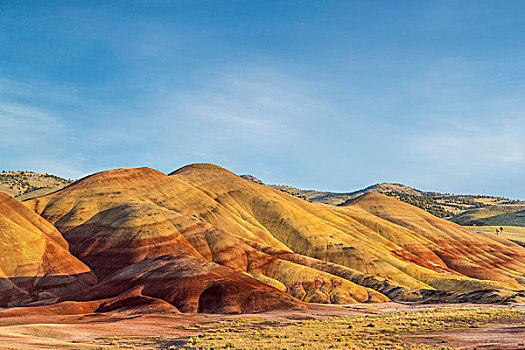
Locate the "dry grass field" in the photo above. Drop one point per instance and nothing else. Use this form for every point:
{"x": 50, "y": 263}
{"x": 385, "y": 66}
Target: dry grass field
{"x": 377, "y": 326}
{"x": 396, "y": 330}
{"x": 514, "y": 233}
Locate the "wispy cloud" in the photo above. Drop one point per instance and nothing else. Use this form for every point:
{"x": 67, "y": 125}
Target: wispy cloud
{"x": 258, "y": 105}
{"x": 37, "y": 91}
{"x": 236, "y": 116}
{"x": 23, "y": 126}
{"x": 234, "y": 112}
{"x": 491, "y": 145}
{"x": 477, "y": 155}
{"x": 34, "y": 136}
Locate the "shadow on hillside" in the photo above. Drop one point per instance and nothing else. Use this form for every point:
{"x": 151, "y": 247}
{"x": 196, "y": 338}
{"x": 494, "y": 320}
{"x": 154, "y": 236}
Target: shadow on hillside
{"x": 41, "y": 290}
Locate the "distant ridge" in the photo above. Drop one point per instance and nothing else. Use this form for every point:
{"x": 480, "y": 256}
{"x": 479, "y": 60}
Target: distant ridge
{"x": 504, "y": 215}
{"x": 442, "y": 205}
{"x": 28, "y": 184}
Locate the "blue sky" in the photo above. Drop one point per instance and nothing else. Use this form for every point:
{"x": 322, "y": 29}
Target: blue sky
{"x": 333, "y": 95}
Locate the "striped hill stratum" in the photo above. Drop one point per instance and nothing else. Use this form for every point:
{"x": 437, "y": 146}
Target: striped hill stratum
{"x": 35, "y": 264}
{"x": 203, "y": 239}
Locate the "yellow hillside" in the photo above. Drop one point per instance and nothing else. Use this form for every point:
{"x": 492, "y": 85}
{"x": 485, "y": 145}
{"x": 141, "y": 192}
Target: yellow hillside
{"x": 352, "y": 237}
{"x": 33, "y": 250}
{"x": 377, "y": 247}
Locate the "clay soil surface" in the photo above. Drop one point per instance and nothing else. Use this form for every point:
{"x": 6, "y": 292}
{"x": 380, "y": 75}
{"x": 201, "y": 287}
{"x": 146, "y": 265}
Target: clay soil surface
{"x": 360, "y": 326}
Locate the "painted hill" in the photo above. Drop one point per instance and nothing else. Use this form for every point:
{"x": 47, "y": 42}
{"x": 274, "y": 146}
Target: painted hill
{"x": 437, "y": 204}
{"x": 27, "y": 184}
{"x": 203, "y": 234}
{"x": 35, "y": 264}
{"x": 114, "y": 223}
{"x": 455, "y": 246}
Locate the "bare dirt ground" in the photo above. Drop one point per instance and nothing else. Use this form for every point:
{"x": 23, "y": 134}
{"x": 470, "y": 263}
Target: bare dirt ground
{"x": 379, "y": 326}
{"x": 498, "y": 336}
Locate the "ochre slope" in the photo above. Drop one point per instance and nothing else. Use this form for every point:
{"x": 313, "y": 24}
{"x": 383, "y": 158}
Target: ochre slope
{"x": 78, "y": 202}
{"x": 462, "y": 250}
{"x": 305, "y": 228}
{"x": 354, "y": 238}
{"x": 296, "y": 278}
{"x": 35, "y": 264}
{"x": 116, "y": 238}
{"x": 133, "y": 226}
{"x": 191, "y": 284}
{"x": 126, "y": 216}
